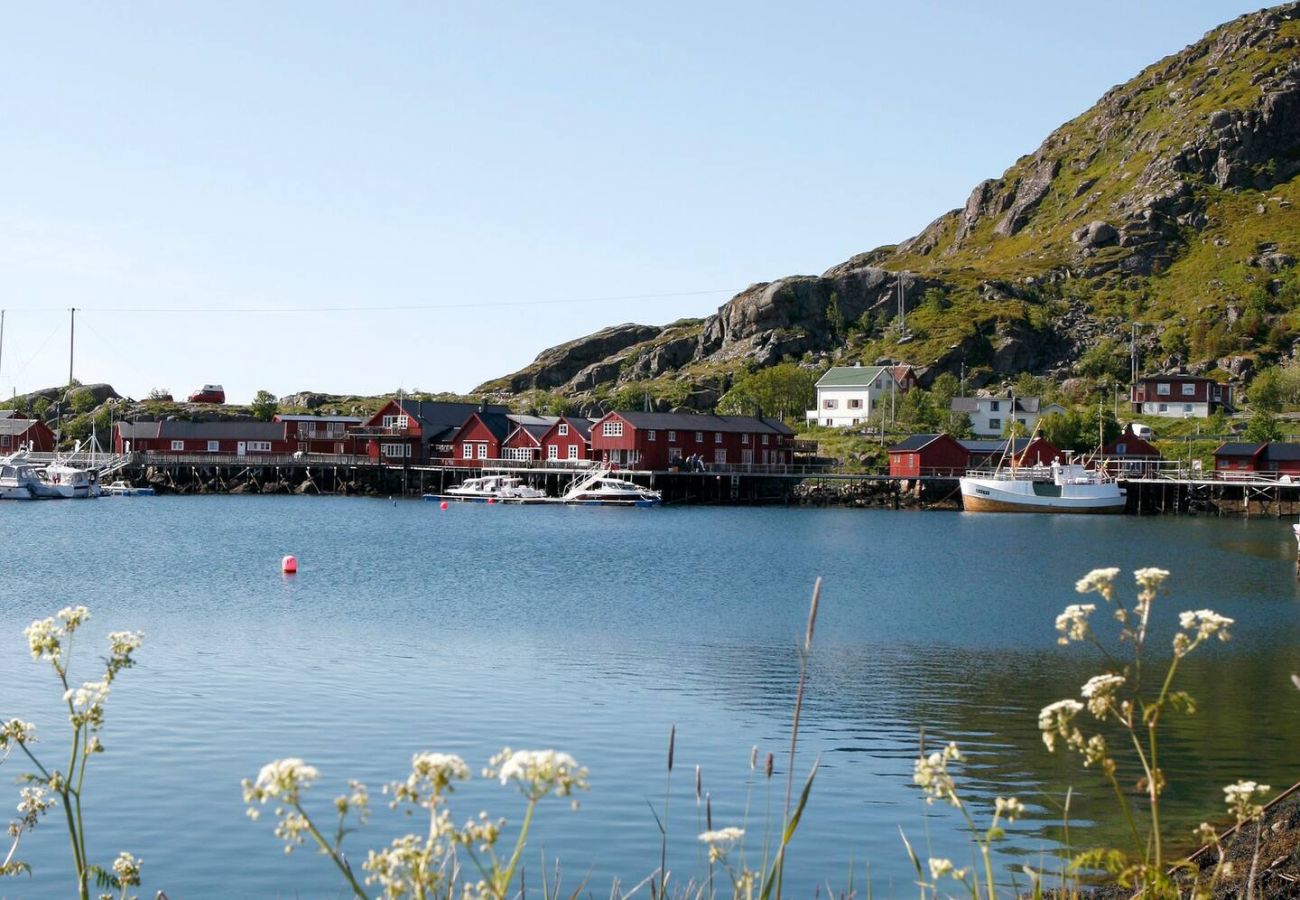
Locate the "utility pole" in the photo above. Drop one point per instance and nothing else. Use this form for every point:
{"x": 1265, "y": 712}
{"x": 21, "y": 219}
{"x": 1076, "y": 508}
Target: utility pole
{"x": 72, "y": 343}
{"x": 2, "y": 338}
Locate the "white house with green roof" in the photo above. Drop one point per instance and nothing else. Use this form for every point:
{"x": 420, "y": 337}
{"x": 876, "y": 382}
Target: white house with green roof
{"x": 849, "y": 395}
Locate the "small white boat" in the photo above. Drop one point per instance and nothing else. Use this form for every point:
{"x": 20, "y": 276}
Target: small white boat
{"x": 600, "y": 488}
{"x": 1060, "y": 488}
{"x": 502, "y": 488}
{"x": 19, "y": 480}
{"x": 121, "y": 488}
{"x": 70, "y": 482}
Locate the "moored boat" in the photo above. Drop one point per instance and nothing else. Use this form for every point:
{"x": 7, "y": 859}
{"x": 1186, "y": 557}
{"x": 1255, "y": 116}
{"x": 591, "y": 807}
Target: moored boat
{"x": 19, "y": 480}
{"x": 69, "y": 482}
{"x": 502, "y": 488}
{"x": 600, "y": 488}
{"x": 1060, "y": 488}
{"x": 121, "y": 488}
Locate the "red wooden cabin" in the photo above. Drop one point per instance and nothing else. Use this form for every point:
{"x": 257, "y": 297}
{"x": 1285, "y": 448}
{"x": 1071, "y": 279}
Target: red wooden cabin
{"x": 928, "y": 454}
{"x": 660, "y": 440}
{"x": 32, "y": 434}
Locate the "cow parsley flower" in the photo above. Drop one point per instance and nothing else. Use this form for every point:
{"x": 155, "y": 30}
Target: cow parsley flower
{"x": 1056, "y": 720}
{"x": 1240, "y": 798}
{"x": 282, "y": 779}
{"x": 87, "y": 702}
{"x": 1100, "y": 693}
{"x": 1150, "y": 579}
{"x": 1100, "y": 580}
{"x": 721, "y": 841}
{"x": 17, "y": 731}
{"x": 1009, "y": 808}
{"x": 431, "y": 775}
{"x": 73, "y": 617}
{"x": 539, "y": 772}
{"x": 1206, "y": 623}
{"x": 127, "y": 869}
{"x": 1073, "y": 622}
{"x": 930, "y": 773}
{"x": 45, "y": 640}
{"x": 939, "y": 867}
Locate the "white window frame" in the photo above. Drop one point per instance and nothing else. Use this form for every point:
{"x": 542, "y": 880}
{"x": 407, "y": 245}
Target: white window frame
{"x": 744, "y": 438}
{"x": 699, "y": 437}
{"x": 765, "y": 437}
{"x": 552, "y": 451}
{"x": 672, "y": 437}
{"x": 394, "y": 451}
{"x": 830, "y": 403}
{"x": 1189, "y": 389}
{"x": 178, "y": 445}
{"x": 259, "y": 447}
{"x": 717, "y": 437}
{"x": 855, "y": 403}
{"x": 720, "y": 456}
{"x": 612, "y": 429}
{"x": 1162, "y": 389}
{"x": 214, "y": 446}
{"x": 467, "y": 451}
{"x": 481, "y": 453}
{"x": 563, "y": 430}
{"x": 651, "y": 435}
{"x": 573, "y": 451}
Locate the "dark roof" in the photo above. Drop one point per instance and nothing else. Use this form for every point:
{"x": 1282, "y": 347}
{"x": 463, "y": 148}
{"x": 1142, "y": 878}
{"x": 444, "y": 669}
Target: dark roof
{"x": 1279, "y": 451}
{"x": 914, "y": 443}
{"x": 583, "y": 425}
{"x": 438, "y": 414}
{"x": 12, "y": 426}
{"x": 1133, "y": 446}
{"x": 1237, "y": 449}
{"x": 230, "y": 430}
{"x": 701, "y": 422}
{"x": 1174, "y": 377}
{"x": 999, "y": 446}
{"x": 497, "y": 423}
{"x": 347, "y": 420}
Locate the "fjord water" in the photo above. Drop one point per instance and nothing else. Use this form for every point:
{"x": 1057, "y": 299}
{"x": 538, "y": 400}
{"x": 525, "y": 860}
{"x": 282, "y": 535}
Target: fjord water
{"x": 594, "y": 631}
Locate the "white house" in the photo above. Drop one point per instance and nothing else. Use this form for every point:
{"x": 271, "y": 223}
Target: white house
{"x": 990, "y": 415}
{"x": 849, "y": 395}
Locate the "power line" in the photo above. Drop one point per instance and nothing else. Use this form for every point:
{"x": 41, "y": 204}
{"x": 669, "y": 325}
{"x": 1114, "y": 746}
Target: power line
{"x": 414, "y": 307}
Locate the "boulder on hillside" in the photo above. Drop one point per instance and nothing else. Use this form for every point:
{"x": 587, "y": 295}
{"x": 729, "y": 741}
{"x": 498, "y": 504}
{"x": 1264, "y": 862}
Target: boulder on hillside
{"x": 1095, "y": 234}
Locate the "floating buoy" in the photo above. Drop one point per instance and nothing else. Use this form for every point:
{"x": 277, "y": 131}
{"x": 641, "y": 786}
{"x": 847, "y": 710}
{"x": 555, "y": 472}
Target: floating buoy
{"x": 443, "y": 504}
{"x": 289, "y": 565}
{"x": 492, "y": 499}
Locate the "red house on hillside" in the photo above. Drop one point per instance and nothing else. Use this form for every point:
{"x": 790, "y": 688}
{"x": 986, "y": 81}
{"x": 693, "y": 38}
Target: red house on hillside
{"x": 32, "y": 434}
{"x": 928, "y": 454}
{"x": 659, "y": 440}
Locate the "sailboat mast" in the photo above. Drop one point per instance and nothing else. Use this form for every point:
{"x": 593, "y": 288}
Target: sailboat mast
{"x": 72, "y": 342}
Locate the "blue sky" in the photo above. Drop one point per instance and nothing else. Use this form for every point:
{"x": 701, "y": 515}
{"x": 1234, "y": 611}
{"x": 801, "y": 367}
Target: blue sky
{"x": 501, "y": 165}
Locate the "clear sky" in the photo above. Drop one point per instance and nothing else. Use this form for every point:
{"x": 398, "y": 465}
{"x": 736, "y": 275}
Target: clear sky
{"x": 502, "y": 166}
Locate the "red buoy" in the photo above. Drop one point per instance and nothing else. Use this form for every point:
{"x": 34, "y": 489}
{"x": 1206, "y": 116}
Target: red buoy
{"x": 443, "y": 505}
{"x": 289, "y": 565}
{"x": 492, "y": 499}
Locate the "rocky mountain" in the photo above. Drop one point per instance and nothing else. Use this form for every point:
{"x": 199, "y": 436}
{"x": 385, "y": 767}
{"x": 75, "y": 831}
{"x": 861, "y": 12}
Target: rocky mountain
{"x": 1171, "y": 205}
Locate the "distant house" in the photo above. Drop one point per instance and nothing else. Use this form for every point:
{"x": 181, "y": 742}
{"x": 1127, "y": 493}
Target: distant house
{"x": 568, "y": 440}
{"x": 235, "y": 438}
{"x": 988, "y": 454}
{"x": 849, "y": 395}
{"x": 928, "y": 454}
{"x": 480, "y": 438}
{"x": 416, "y": 431}
{"x": 32, "y": 434}
{"x": 989, "y": 416}
{"x": 1180, "y": 396}
{"x": 1130, "y": 454}
{"x": 659, "y": 440}
{"x": 321, "y": 434}
{"x": 1272, "y": 458}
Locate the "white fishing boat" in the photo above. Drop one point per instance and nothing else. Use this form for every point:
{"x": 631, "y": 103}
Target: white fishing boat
{"x": 600, "y": 488}
{"x": 121, "y": 488}
{"x": 19, "y": 480}
{"x": 69, "y": 482}
{"x": 1058, "y": 488}
{"x": 502, "y": 488}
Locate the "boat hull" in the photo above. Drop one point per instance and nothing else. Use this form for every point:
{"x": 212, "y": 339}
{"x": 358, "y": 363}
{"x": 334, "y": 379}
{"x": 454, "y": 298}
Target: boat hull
{"x": 995, "y": 495}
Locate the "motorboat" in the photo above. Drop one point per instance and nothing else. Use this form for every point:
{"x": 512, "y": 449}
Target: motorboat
{"x": 503, "y": 488}
{"x": 69, "y": 482}
{"x": 601, "y": 488}
{"x": 1058, "y": 488}
{"x": 19, "y": 480}
{"x": 122, "y": 488}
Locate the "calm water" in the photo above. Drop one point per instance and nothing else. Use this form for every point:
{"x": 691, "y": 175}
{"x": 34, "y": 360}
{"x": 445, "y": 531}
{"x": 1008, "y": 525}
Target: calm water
{"x": 595, "y": 630}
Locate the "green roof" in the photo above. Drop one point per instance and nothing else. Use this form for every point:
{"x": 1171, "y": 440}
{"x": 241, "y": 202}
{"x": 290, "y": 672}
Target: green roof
{"x": 850, "y": 376}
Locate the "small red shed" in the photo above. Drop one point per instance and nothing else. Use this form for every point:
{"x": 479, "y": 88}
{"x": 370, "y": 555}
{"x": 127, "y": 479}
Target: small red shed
{"x": 32, "y": 434}
{"x": 928, "y": 454}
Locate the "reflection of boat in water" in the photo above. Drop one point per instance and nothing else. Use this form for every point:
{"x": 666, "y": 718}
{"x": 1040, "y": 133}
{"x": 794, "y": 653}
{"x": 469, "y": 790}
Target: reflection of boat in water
{"x": 121, "y": 488}
{"x": 503, "y": 488}
{"x": 1060, "y": 488}
{"x": 70, "y": 482}
{"x": 19, "y": 480}
{"x": 600, "y": 488}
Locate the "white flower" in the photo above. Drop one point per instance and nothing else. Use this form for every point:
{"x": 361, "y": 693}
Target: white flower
{"x": 34, "y": 800}
{"x": 721, "y": 840}
{"x": 18, "y": 731}
{"x": 1150, "y": 579}
{"x": 931, "y": 774}
{"x": 282, "y": 779}
{"x": 1206, "y": 623}
{"x": 72, "y": 617}
{"x": 1240, "y": 798}
{"x": 539, "y": 772}
{"x": 127, "y": 869}
{"x": 1100, "y": 693}
{"x": 939, "y": 867}
{"x": 1009, "y": 808}
{"x": 1073, "y": 622}
{"x": 44, "y": 639}
{"x": 1055, "y": 720}
{"x": 89, "y": 695}
{"x": 1100, "y": 580}
{"x": 431, "y": 775}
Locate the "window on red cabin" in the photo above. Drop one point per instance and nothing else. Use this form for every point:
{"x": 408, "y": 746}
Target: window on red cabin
{"x": 1189, "y": 390}
{"x": 563, "y": 430}
{"x": 612, "y": 429}
{"x": 573, "y": 451}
